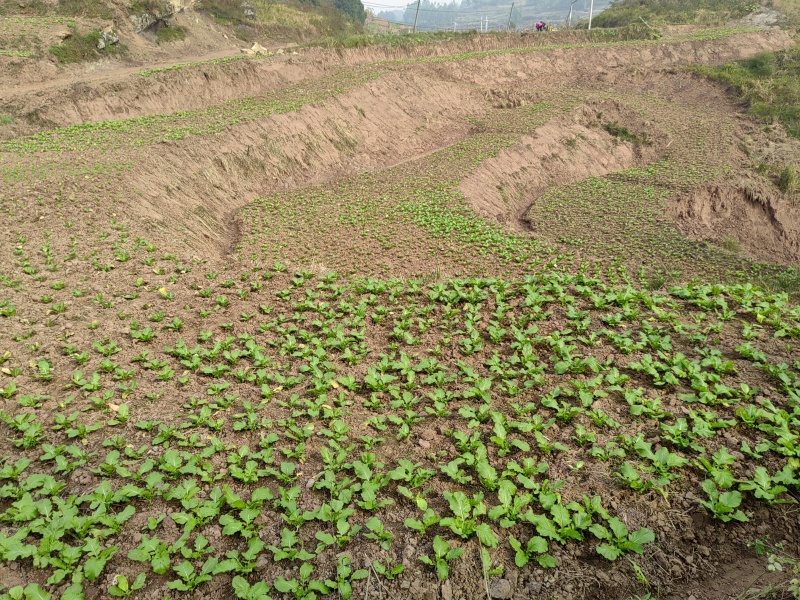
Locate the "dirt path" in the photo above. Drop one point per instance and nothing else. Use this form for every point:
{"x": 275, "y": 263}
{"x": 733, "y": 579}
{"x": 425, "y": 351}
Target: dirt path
{"x": 97, "y": 74}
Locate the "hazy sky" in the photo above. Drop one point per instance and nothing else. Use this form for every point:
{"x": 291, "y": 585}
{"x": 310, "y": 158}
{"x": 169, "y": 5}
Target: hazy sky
{"x": 379, "y": 5}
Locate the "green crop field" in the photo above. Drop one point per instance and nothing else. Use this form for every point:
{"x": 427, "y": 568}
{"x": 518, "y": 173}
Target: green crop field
{"x": 365, "y": 386}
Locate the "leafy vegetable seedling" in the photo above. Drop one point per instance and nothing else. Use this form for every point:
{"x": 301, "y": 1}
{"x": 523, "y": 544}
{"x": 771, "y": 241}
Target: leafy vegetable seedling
{"x": 442, "y": 556}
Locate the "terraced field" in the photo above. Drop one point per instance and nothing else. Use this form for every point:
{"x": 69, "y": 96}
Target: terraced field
{"x": 427, "y": 325}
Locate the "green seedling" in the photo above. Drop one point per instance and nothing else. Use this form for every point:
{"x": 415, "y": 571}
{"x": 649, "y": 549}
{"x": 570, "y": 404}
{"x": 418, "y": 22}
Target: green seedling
{"x": 302, "y": 587}
{"x": 442, "y": 555}
{"x": 617, "y": 540}
{"x": 767, "y": 488}
{"x": 723, "y": 506}
{"x": 378, "y": 533}
{"x": 535, "y": 549}
{"x": 464, "y": 521}
{"x": 387, "y": 569}
{"x": 189, "y": 578}
{"x": 120, "y": 587}
{"x": 345, "y": 575}
{"x": 245, "y": 591}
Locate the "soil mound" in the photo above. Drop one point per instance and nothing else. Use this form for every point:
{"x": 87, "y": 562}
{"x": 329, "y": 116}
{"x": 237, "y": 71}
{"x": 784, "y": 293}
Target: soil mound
{"x": 600, "y": 137}
{"x": 317, "y": 143}
{"x": 750, "y": 216}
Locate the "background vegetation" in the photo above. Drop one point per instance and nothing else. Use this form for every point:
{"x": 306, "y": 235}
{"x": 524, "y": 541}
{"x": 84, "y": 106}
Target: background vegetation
{"x": 701, "y": 12}
{"x": 292, "y": 20}
{"x": 769, "y": 83}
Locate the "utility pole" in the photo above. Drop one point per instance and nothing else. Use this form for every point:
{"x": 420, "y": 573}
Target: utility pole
{"x": 511, "y": 12}
{"x": 591, "y": 12}
{"x": 416, "y": 16}
{"x": 569, "y": 19}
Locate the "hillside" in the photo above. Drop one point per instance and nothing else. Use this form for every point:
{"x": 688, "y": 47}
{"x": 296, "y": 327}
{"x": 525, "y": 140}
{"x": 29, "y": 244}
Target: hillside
{"x": 511, "y": 315}
{"x": 679, "y": 12}
{"x": 148, "y": 29}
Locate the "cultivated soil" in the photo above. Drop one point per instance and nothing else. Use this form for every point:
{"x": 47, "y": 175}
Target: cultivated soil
{"x": 240, "y": 295}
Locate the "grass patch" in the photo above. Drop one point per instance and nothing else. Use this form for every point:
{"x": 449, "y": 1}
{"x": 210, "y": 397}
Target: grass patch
{"x": 6, "y": 119}
{"x": 34, "y": 7}
{"x": 92, "y": 9}
{"x": 700, "y": 12}
{"x": 410, "y": 40}
{"x": 786, "y": 281}
{"x": 149, "y": 6}
{"x": 623, "y": 133}
{"x": 790, "y": 8}
{"x": 731, "y": 243}
{"x": 171, "y": 34}
{"x": 81, "y": 48}
{"x": 288, "y": 21}
{"x": 768, "y": 82}
{"x": 788, "y": 180}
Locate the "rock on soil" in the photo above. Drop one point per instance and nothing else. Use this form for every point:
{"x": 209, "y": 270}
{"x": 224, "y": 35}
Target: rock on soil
{"x": 501, "y": 589}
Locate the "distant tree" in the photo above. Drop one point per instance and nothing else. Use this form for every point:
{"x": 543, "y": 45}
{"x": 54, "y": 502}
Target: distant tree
{"x": 352, "y": 8}
{"x": 432, "y": 16}
{"x": 391, "y": 15}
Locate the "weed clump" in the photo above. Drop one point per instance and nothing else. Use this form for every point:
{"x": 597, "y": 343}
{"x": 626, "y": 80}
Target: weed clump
{"x": 623, "y": 133}
{"x": 789, "y": 180}
{"x": 171, "y": 34}
{"x": 731, "y": 243}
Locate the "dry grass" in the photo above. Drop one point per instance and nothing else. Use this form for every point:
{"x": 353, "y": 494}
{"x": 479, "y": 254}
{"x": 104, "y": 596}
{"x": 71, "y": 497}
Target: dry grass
{"x": 790, "y": 8}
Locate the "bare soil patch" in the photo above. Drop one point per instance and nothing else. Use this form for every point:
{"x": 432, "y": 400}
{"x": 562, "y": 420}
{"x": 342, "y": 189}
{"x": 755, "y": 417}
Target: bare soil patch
{"x": 750, "y": 215}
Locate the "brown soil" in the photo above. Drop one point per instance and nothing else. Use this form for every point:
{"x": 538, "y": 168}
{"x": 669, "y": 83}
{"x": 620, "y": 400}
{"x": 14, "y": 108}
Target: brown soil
{"x": 752, "y": 214}
{"x": 369, "y": 128}
{"x": 110, "y": 90}
{"x": 197, "y": 183}
{"x": 565, "y": 150}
